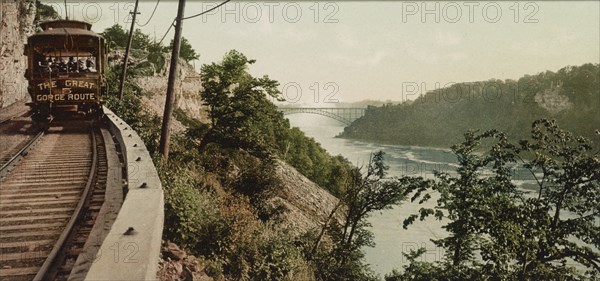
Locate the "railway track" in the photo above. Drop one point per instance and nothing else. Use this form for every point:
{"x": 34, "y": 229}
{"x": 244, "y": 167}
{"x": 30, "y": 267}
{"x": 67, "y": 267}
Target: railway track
{"x": 13, "y": 115}
{"x": 16, "y": 133}
{"x": 13, "y": 152}
{"x": 50, "y": 201}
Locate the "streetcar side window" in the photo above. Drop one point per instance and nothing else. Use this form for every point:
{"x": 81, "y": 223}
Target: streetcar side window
{"x": 89, "y": 64}
{"x": 54, "y": 65}
{"x": 43, "y": 65}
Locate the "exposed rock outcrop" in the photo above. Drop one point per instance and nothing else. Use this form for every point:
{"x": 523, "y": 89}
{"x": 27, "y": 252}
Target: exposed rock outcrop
{"x": 176, "y": 265}
{"x": 187, "y": 91}
{"x": 553, "y": 99}
{"x": 154, "y": 83}
{"x": 306, "y": 205}
{"x": 16, "y": 24}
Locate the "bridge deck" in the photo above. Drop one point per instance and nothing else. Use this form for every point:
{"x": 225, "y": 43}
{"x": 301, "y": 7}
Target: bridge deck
{"x": 345, "y": 115}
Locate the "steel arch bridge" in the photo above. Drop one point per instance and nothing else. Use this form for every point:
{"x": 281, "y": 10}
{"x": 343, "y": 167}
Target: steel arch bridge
{"x": 343, "y": 114}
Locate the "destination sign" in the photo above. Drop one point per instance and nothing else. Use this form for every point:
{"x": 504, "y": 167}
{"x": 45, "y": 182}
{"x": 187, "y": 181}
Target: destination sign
{"x": 69, "y": 83}
{"x": 66, "y": 97}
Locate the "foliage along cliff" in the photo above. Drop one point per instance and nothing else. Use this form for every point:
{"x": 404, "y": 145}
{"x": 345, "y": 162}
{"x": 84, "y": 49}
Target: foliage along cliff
{"x": 148, "y": 68}
{"x": 273, "y": 223}
{"x": 571, "y": 96}
{"x": 16, "y": 23}
{"x": 228, "y": 199}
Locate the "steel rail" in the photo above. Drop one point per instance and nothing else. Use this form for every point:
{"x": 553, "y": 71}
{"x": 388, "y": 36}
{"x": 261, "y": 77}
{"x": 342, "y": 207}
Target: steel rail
{"x": 13, "y": 117}
{"x": 19, "y": 155}
{"x": 51, "y": 260}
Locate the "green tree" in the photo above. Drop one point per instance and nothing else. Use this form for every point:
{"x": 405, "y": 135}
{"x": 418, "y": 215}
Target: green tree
{"x": 242, "y": 116}
{"x": 115, "y": 36}
{"x": 240, "y": 113}
{"x": 186, "y": 52}
{"x": 367, "y": 193}
{"x": 140, "y": 40}
{"x": 574, "y": 91}
{"x": 501, "y": 232}
{"x": 131, "y": 108}
{"x": 565, "y": 206}
{"x": 156, "y": 55}
{"x": 45, "y": 12}
{"x": 363, "y": 194}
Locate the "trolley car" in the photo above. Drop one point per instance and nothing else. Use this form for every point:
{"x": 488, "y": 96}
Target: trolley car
{"x": 65, "y": 69}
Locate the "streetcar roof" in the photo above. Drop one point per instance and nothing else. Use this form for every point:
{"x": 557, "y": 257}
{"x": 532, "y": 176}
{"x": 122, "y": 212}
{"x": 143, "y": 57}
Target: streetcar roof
{"x": 67, "y": 31}
{"x": 65, "y": 23}
{"x": 66, "y": 27}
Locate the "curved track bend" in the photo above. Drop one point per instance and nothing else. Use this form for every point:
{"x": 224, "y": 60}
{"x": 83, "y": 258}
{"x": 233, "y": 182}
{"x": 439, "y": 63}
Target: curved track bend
{"x": 47, "y": 202}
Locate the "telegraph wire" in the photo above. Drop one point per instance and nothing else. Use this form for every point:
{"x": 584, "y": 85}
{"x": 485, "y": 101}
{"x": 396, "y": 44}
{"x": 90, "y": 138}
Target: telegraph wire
{"x": 152, "y": 15}
{"x": 209, "y": 10}
{"x": 190, "y": 17}
{"x": 163, "y": 38}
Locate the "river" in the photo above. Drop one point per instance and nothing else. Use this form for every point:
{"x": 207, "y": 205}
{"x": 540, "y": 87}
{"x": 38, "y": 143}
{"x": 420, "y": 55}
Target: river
{"x": 391, "y": 240}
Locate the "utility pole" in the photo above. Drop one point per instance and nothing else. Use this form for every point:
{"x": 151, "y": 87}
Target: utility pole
{"x": 126, "y": 59}
{"x": 173, "y": 71}
{"x": 66, "y": 10}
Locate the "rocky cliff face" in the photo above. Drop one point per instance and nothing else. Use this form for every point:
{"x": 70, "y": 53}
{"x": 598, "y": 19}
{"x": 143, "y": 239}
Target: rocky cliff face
{"x": 16, "y": 23}
{"x": 187, "y": 91}
{"x": 553, "y": 99}
{"x": 154, "y": 84}
{"x": 306, "y": 205}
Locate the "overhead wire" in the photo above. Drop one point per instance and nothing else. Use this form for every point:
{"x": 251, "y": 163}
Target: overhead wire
{"x": 190, "y": 17}
{"x": 152, "y": 15}
{"x": 163, "y": 38}
{"x": 207, "y": 11}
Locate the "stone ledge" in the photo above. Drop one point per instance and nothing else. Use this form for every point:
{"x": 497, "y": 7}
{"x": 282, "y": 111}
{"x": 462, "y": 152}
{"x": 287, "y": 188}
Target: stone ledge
{"x": 131, "y": 249}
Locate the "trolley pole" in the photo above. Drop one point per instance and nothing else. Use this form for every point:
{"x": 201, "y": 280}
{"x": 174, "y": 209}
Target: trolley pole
{"x": 173, "y": 70}
{"x": 126, "y": 59}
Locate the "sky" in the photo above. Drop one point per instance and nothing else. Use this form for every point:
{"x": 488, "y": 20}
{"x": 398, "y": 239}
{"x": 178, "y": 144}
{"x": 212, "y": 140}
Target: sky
{"x": 347, "y": 51}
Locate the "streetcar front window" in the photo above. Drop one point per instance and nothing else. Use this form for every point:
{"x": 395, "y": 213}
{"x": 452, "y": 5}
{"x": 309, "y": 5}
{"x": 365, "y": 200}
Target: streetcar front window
{"x": 54, "y": 63}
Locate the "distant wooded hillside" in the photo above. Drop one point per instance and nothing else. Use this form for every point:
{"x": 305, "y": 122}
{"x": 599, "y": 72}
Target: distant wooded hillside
{"x": 571, "y": 96}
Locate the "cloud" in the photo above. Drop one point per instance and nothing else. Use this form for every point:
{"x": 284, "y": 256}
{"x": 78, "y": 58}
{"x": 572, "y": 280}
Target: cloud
{"x": 457, "y": 56}
{"x": 363, "y": 60}
{"x": 420, "y": 54}
{"x": 565, "y": 36}
{"x": 436, "y": 49}
{"x": 346, "y": 37}
{"x": 447, "y": 38}
{"x": 264, "y": 26}
{"x": 534, "y": 48}
{"x": 568, "y": 38}
{"x": 298, "y": 35}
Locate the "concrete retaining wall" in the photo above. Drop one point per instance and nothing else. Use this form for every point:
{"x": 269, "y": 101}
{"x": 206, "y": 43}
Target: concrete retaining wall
{"x": 131, "y": 249}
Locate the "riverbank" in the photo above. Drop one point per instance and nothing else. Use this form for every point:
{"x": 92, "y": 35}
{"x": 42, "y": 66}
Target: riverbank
{"x": 391, "y": 240}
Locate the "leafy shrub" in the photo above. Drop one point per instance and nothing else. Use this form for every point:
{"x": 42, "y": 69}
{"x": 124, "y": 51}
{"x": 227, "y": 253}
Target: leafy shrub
{"x": 187, "y": 209}
{"x": 498, "y": 231}
{"x": 131, "y": 110}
